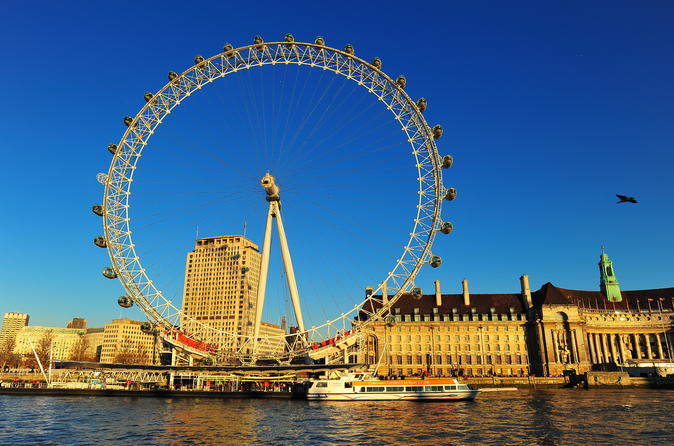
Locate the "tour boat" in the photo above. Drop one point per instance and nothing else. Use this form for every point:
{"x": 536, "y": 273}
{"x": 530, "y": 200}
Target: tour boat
{"x": 364, "y": 387}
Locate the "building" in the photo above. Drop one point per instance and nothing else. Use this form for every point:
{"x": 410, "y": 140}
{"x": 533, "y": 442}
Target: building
{"x": 272, "y": 339}
{"x": 221, "y": 280}
{"x": 545, "y": 332}
{"x": 77, "y": 322}
{"x": 62, "y": 345}
{"x": 123, "y": 341}
{"x": 11, "y": 324}
{"x": 94, "y": 342}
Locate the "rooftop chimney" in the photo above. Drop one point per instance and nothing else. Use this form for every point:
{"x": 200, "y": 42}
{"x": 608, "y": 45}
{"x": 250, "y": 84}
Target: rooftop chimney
{"x": 526, "y": 292}
{"x": 438, "y": 294}
{"x": 466, "y": 295}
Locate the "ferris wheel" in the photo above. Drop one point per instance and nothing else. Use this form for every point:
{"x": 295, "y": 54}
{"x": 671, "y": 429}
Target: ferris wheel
{"x": 188, "y": 334}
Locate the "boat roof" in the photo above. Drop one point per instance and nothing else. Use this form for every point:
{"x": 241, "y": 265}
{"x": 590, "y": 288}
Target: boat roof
{"x": 407, "y": 382}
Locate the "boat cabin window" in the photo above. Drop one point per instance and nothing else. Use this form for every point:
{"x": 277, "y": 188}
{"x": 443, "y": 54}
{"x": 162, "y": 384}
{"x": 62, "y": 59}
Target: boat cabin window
{"x": 322, "y": 385}
{"x": 348, "y": 385}
{"x": 434, "y": 388}
{"x": 450, "y": 387}
{"x": 375, "y": 389}
{"x": 395, "y": 388}
{"x": 414, "y": 388}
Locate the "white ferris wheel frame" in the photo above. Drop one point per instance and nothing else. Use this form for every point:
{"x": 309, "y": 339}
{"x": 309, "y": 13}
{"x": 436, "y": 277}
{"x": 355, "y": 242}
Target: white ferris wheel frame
{"x": 162, "y": 312}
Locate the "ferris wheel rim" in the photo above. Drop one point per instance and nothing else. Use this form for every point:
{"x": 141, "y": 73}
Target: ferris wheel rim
{"x": 123, "y": 254}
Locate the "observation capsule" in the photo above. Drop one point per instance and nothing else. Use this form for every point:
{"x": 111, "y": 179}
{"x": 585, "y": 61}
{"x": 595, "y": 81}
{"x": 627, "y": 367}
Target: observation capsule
{"x": 112, "y": 148}
{"x": 416, "y": 292}
{"x": 290, "y": 39}
{"x": 446, "y": 227}
{"x": 435, "y": 261}
{"x": 376, "y": 62}
{"x": 447, "y": 161}
{"x": 258, "y": 42}
{"x": 128, "y": 120}
{"x": 100, "y": 242}
{"x": 125, "y": 302}
{"x": 97, "y": 209}
{"x": 229, "y": 50}
{"x": 148, "y": 96}
{"x": 146, "y": 327}
{"x": 450, "y": 194}
{"x": 172, "y": 75}
{"x": 319, "y": 41}
{"x": 437, "y": 131}
{"x": 348, "y": 49}
{"x": 109, "y": 273}
{"x": 401, "y": 81}
{"x": 245, "y": 269}
{"x": 198, "y": 59}
{"x": 422, "y": 104}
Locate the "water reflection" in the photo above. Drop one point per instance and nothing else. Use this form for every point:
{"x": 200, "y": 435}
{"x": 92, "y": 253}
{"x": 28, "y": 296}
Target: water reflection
{"x": 542, "y": 417}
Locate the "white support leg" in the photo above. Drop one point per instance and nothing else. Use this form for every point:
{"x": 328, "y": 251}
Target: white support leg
{"x": 262, "y": 284}
{"x": 290, "y": 272}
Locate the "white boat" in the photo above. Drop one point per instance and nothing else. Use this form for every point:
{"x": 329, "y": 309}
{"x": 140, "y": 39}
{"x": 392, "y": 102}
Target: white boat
{"x": 364, "y": 387}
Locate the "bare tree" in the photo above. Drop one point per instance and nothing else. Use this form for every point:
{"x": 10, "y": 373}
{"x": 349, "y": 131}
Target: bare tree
{"x": 131, "y": 353}
{"x": 42, "y": 349}
{"x": 7, "y": 356}
{"x": 79, "y": 351}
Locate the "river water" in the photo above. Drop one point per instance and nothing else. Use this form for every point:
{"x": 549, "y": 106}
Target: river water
{"x": 532, "y": 417}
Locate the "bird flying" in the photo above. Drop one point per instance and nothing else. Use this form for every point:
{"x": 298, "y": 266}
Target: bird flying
{"x": 625, "y": 199}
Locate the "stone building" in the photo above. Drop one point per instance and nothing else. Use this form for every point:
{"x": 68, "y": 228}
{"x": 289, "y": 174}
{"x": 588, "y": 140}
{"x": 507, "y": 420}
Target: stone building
{"x": 542, "y": 333}
{"x": 77, "y": 322}
{"x": 63, "y": 343}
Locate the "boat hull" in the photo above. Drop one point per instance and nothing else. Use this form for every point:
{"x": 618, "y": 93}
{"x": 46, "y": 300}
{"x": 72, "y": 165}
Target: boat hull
{"x": 390, "y": 396}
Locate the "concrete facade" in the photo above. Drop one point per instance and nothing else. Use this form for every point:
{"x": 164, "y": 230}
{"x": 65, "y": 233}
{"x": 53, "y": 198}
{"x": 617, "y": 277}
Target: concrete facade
{"x": 11, "y": 324}
{"x": 272, "y": 339}
{"x": 94, "y": 338}
{"x": 125, "y": 336}
{"x": 221, "y": 280}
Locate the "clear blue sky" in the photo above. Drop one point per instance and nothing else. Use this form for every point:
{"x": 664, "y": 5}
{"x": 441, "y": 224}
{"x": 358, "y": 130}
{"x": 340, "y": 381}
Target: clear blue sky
{"x": 549, "y": 108}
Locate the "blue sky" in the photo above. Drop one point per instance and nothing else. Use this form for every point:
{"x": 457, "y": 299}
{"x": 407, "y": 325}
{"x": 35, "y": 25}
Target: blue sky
{"x": 549, "y": 108}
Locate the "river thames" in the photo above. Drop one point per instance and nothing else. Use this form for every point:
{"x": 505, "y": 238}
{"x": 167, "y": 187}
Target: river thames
{"x": 536, "y": 417}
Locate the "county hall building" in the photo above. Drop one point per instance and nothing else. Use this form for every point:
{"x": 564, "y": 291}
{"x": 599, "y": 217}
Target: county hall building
{"x": 542, "y": 333}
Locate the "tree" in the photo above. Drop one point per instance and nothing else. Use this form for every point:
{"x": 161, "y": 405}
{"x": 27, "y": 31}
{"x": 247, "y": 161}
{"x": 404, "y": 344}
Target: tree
{"x": 79, "y": 351}
{"x": 42, "y": 349}
{"x": 7, "y": 356}
{"x": 131, "y": 352}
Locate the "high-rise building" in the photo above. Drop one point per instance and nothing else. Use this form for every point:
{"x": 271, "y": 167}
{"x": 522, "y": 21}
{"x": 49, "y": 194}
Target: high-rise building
{"x": 123, "y": 341}
{"x": 221, "y": 280}
{"x": 11, "y": 324}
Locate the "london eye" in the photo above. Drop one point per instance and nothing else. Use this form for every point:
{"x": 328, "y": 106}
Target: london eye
{"x": 340, "y": 329}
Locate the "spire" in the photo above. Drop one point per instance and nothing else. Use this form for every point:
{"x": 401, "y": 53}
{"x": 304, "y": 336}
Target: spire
{"x": 608, "y": 282}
